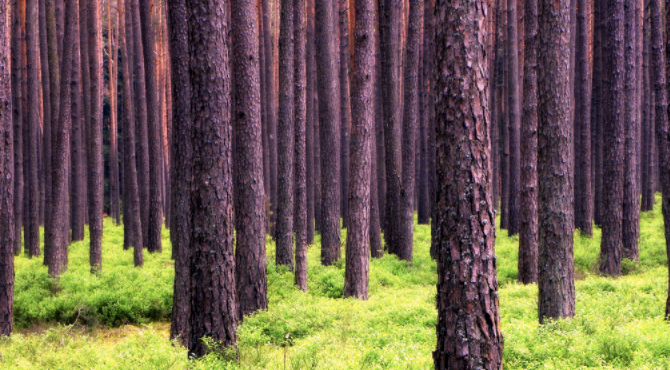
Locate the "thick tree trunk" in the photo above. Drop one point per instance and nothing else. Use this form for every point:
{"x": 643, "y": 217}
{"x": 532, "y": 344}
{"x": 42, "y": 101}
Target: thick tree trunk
{"x": 181, "y": 168}
{"x": 345, "y": 107}
{"x": 362, "y": 114}
{"x": 284, "y": 232}
{"x": 7, "y": 198}
{"x": 329, "y": 132}
{"x": 155, "y": 223}
{"x": 34, "y": 124}
{"x": 613, "y": 137}
{"x": 583, "y": 87}
{"x": 528, "y": 202}
{"x": 468, "y": 322}
{"x": 513, "y": 117}
{"x": 131, "y": 198}
{"x": 392, "y": 118}
{"x": 556, "y": 272}
{"x": 631, "y": 196}
{"x": 61, "y": 133}
{"x": 250, "y": 263}
{"x": 213, "y": 296}
{"x": 17, "y": 125}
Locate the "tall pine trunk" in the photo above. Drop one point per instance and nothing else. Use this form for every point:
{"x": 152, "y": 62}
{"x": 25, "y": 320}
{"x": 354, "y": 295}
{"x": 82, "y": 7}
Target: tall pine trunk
{"x": 17, "y": 124}
{"x": 513, "y": 117}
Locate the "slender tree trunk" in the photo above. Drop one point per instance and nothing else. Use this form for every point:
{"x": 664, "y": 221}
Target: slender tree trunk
{"x": 7, "y": 198}
{"x": 61, "y": 132}
{"x": 329, "y": 132}
{"x": 556, "y": 271}
{"x": 285, "y": 138}
{"x": 427, "y": 108}
{"x": 17, "y": 125}
{"x": 78, "y": 178}
{"x": 213, "y": 295}
{"x": 375, "y": 237}
{"x": 310, "y": 108}
{"x": 468, "y": 327}
{"x": 362, "y": 114}
{"x": 513, "y": 117}
{"x": 647, "y": 121}
{"x": 379, "y": 123}
{"x": 250, "y": 263}
{"x": 86, "y": 82}
{"x": 528, "y": 201}
{"x": 598, "y": 95}
{"x": 46, "y": 97}
{"x": 271, "y": 99}
{"x": 181, "y": 167}
{"x": 33, "y": 125}
{"x": 613, "y": 137}
{"x": 583, "y": 88}
{"x": 113, "y": 127}
{"x": 345, "y": 107}
{"x": 155, "y": 221}
{"x": 631, "y": 197}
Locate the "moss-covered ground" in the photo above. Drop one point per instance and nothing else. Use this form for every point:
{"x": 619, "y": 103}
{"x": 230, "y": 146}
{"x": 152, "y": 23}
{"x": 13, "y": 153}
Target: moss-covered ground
{"x": 119, "y": 318}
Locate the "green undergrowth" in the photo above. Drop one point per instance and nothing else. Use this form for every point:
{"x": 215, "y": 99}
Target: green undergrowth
{"x": 121, "y": 315}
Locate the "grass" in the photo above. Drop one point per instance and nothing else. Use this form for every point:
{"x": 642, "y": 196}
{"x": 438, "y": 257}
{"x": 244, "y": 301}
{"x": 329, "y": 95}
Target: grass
{"x": 122, "y": 314}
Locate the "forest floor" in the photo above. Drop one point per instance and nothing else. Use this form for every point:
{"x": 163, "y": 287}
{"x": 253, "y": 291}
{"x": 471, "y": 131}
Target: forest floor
{"x": 119, "y": 318}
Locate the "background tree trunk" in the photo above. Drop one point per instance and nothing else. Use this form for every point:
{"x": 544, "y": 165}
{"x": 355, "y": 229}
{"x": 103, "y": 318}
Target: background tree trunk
{"x": 514, "y": 117}
{"x": 17, "y": 125}
{"x": 345, "y": 107}
{"x": 115, "y": 209}
{"x": 78, "y": 171}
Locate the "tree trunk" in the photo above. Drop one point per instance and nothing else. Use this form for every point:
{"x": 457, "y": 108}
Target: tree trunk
{"x": 345, "y": 107}
{"x": 46, "y": 97}
{"x": 392, "y": 118}
{"x": 528, "y": 202}
{"x": 427, "y": 107}
{"x": 362, "y": 114}
{"x": 556, "y": 271}
{"x": 300, "y": 153}
{"x": 613, "y": 137}
{"x": 181, "y": 168}
{"x": 468, "y": 322}
{"x": 113, "y": 127}
{"x": 329, "y": 132}
{"x": 631, "y": 196}
{"x": 310, "y": 109}
{"x": 513, "y": 117}
{"x": 61, "y": 133}
{"x": 597, "y": 126}
{"x": 78, "y": 178}
{"x": 140, "y": 102}
{"x": 213, "y": 297}
{"x": 284, "y": 232}
{"x": 583, "y": 87}
{"x": 155, "y": 223}
{"x": 34, "y": 124}
{"x": 17, "y": 125}
{"x": 7, "y": 198}
{"x": 380, "y": 154}
{"x": 250, "y": 263}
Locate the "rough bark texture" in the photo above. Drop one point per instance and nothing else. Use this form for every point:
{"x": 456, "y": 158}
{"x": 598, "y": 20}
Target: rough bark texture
{"x": 631, "y": 197}
{"x": 131, "y": 198}
{"x": 284, "y": 232}
{"x": 213, "y": 298}
{"x": 613, "y": 138}
{"x": 114, "y": 191}
{"x": 154, "y": 129}
{"x": 647, "y": 138}
{"x": 345, "y": 107}
{"x": 46, "y": 95}
{"x": 7, "y": 211}
{"x": 271, "y": 92}
{"x": 392, "y": 118}
{"x": 528, "y": 201}
{"x": 583, "y": 87}
{"x": 60, "y": 153}
{"x": 468, "y": 322}
{"x": 513, "y": 117}
{"x": 86, "y": 96}
{"x": 556, "y": 272}
{"x": 140, "y": 102}
{"x": 78, "y": 180}
{"x": 181, "y": 167}
{"x": 17, "y": 124}
{"x": 310, "y": 108}
{"x": 362, "y": 114}
{"x": 379, "y": 122}
{"x": 329, "y": 132}
{"x": 33, "y": 125}
{"x": 250, "y": 266}
{"x": 300, "y": 153}
{"x": 597, "y": 122}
